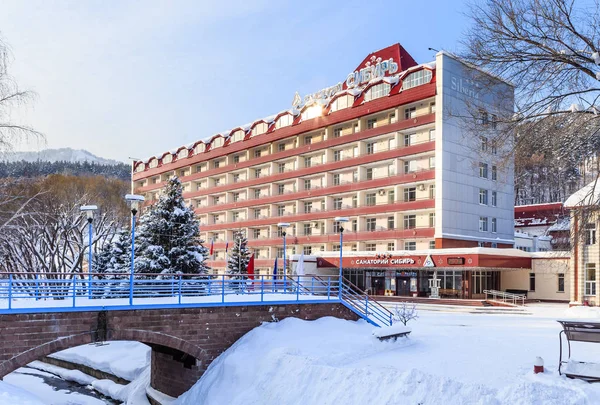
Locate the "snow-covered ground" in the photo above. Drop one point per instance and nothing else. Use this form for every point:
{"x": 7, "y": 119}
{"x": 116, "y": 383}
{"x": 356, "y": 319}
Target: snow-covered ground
{"x": 448, "y": 359}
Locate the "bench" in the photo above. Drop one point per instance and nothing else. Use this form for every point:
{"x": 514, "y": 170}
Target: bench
{"x": 392, "y": 332}
{"x": 449, "y": 292}
{"x": 579, "y": 331}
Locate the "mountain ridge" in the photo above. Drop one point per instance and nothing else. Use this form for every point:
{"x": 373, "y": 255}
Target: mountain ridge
{"x": 59, "y": 154}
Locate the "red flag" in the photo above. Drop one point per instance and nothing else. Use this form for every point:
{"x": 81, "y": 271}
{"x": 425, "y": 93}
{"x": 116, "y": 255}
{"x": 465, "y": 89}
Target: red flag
{"x": 251, "y": 267}
{"x": 212, "y": 248}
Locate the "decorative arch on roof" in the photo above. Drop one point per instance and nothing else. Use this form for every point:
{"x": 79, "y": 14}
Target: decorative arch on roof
{"x": 199, "y": 147}
{"x": 217, "y": 141}
{"x": 416, "y": 78}
{"x": 237, "y": 135}
{"x": 183, "y": 152}
{"x": 167, "y": 158}
{"x": 259, "y": 128}
{"x": 341, "y": 101}
{"x": 139, "y": 167}
{"x": 284, "y": 119}
{"x": 153, "y": 162}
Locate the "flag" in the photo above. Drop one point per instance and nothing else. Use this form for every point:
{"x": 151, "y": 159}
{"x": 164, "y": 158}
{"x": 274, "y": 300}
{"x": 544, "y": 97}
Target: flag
{"x": 300, "y": 265}
{"x": 212, "y": 247}
{"x": 226, "y": 245}
{"x": 275, "y": 270}
{"x": 251, "y": 267}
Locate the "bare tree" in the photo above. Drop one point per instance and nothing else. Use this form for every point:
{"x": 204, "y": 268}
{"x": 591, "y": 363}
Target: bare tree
{"x": 405, "y": 313}
{"x": 11, "y": 96}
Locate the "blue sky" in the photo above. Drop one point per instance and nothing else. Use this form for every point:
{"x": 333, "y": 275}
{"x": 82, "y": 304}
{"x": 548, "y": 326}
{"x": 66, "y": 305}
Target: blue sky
{"x": 136, "y": 78}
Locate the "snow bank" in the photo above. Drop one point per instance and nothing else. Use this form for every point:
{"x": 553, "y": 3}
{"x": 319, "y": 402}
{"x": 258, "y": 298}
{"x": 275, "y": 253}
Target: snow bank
{"x": 69, "y": 375}
{"x": 582, "y": 312}
{"x": 451, "y": 359}
{"x": 11, "y": 395}
{"x": 124, "y": 359}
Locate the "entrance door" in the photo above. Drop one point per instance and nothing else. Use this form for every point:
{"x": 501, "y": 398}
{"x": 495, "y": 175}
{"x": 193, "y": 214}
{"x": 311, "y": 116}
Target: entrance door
{"x": 403, "y": 286}
{"x": 378, "y": 285}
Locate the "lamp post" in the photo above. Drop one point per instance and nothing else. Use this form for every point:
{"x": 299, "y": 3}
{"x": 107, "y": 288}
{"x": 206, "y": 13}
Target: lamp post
{"x": 340, "y": 221}
{"x": 283, "y": 226}
{"x": 134, "y": 201}
{"x": 89, "y": 211}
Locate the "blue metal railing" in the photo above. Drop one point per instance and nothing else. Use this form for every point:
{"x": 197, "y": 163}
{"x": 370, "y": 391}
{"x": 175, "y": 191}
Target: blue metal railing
{"x": 43, "y": 292}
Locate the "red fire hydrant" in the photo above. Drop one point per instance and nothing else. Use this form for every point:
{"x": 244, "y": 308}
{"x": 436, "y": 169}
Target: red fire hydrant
{"x": 538, "y": 366}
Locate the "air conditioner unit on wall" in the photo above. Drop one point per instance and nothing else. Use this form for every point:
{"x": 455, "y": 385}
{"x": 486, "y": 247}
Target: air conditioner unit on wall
{"x": 316, "y": 224}
{"x": 382, "y": 192}
{"x": 421, "y": 187}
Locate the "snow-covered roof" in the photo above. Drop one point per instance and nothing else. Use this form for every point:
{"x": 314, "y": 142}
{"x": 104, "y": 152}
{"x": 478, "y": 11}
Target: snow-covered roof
{"x": 553, "y": 254}
{"x": 563, "y": 224}
{"x": 585, "y": 196}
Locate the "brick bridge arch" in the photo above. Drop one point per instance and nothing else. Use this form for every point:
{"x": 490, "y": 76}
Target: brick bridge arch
{"x": 184, "y": 341}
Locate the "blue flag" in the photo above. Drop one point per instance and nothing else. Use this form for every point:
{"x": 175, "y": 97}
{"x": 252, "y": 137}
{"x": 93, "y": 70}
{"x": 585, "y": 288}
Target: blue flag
{"x": 275, "y": 270}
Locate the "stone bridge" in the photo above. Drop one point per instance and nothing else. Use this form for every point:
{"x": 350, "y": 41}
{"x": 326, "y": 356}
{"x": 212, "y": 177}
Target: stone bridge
{"x": 184, "y": 341}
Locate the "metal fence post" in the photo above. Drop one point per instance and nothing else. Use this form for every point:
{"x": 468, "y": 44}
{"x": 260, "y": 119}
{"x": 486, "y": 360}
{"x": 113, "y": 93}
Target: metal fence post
{"x": 298, "y": 289}
{"x": 262, "y": 288}
{"x": 179, "y": 289}
{"x": 223, "y": 289}
{"x": 10, "y": 280}
{"x": 74, "y": 289}
{"x": 37, "y": 287}
{"x": 367, "y": 306}
{"x": 328, "y": 288}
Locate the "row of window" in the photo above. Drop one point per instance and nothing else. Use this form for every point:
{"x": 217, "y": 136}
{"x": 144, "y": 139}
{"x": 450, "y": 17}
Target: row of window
{"x": 483, "y": 171}
{"x": 483, "y": 224}
{"x": 483, "y": 197}
{"x": 369, "y": 247}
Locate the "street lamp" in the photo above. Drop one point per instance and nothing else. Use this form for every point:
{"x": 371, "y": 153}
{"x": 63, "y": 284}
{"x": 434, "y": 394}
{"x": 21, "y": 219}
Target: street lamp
{"x": 283, "y": 226}
{"x": 89, "y": 211}
{"x": 341, "y": 220}
{"x": 134, "y": 201}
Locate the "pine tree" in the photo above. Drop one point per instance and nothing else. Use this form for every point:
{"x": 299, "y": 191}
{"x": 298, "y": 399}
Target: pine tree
{"x": 168, "y": 239}
{"x": 237, "y": 264}
{"x": 119, "y": 264}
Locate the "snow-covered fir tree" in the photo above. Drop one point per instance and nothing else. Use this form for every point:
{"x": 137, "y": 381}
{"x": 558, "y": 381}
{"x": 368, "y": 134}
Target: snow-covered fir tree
{"x": 168, "y": 238}
{"x": 101, "y": 259}
{"x": 120, "y": 256}
{"x": 237, "y": 264}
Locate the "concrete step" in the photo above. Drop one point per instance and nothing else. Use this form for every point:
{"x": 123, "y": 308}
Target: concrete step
{"x": 461, "y": 308}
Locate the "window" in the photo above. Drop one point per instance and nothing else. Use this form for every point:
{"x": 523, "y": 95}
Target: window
{"x": 235, "y": 216}
{"x": 410, "y": 139}
{"x": 337, "y": 155}
{"x": 494, "y": 121}
{"x": 370, "y": 148}
{"x": 236, "y": 177}
{"x": 410, "y": 166}
{"x": 410, "y": 221}
{"x": 494, "y": 148}
{"x": 370, "y": 247}
{"x": 355, "y": 176}
{"x": 215, "y": 219}
{"x": 431, "y": 244}
{"x": 494, "y": 199}
{"x": 370, "y": 173}
{"x": 217, "y": 182}
{"x": 391, "y": 246}
{"x": 494, "y": 173}
{"x": 484, "y": 143}
{"x": 371, "y": 222}
{"x": 256, "y": 233}
{"x": 307, "y": 207}
{"x": 280, "y": 188}
{"x": 483, "y": 117}
{"x": 391, "y": 197}
{"x": 280, "y": 210}
{"x": 337, "y": 203}
{"x": 257, "y": 153}
{"x": 410, "y": 113}
{"x": 432, "y": 191}
{"x": 307, "y": 229}
{"x": 410, "y": 245}
{"x": 590, "y": 279}
{"x": 337, "y": 132}
{"x": 432, "y": 162}
{"x": 410, "y": 194}
{"x": 279, "y": 253}
{"x": 423, "y": 76}
{"x": 483, "y": 197}
{"x": 257, "y": 173}
{"x": 590, "y": 234}
{"x": 432, "y": 107}
{"x": 483, "y": 170}
{"x": 281, "y": 147}
{"x": 531, "y": 281}
{"x": 432, "y": 219}
{"x": 371, "y": 123}
{"x": 392, "y": 118}
{"x": 236, "y": 159}
{"x": 236, "y": 197}
{"x": 370, "y": 199}
{"x": 354, "y": 201}
{"x": 483, "y": 224}
{"x": 308, "y": 139}
{"x": 280, "y": 167}
{"x": 307, "y": 162}
{"x": 336, "y": 179}
{"x": 307, "y": 250}
{"x": 377, "y": 91}
{"x": 216, "y": 200}
{"x": 391, "y": 223}
{"x": 307, "y": 184}
{"x": 257, "y": 193}
{"x": 355, "y": 225}
{"x": 432, "y": 135}
{"x": 284, "y": 121}
{"x": 561, "y": 282}
{"x": 494, "y": 225}
{"x": 494, "y": 245}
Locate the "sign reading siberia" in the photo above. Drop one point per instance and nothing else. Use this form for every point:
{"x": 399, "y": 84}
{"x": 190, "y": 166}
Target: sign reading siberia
{"x": 385, "y": 261}
{"x": 374, "y": 68}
